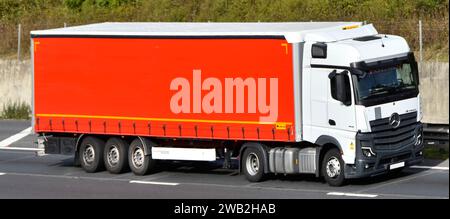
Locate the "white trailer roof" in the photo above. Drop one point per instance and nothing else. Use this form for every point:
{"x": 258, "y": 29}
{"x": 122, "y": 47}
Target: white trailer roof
{"x": 292, "y": 31}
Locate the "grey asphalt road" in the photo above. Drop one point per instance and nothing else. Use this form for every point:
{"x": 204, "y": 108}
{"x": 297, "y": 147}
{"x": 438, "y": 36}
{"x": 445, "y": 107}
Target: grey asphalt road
{"x": 25, "y": 175}
{"x": 11, "y": 127}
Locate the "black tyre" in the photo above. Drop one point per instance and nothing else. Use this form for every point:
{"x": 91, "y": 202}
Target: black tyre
{"x": 333, "y": 168}
{"x": 140, "y": 164}
{"x": 115, "y": 155}
{"x": 253, "y": 165}
{"x": 91, "y": 154}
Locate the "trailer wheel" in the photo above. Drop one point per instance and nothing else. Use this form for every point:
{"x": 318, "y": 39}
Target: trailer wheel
{"x": 253, "y": 165}
{"x": 333, "y": 168}
{"x": 91, "y": 154}
{"x": 140, "y": 164}
{"x": 115, "y": 155}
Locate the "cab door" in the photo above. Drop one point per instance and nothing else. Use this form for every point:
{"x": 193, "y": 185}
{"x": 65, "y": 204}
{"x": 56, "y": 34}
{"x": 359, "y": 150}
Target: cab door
{"x": 341, "y": 114}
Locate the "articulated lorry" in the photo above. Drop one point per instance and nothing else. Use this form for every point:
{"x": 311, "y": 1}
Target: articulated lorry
{"x": 334, "y": 99}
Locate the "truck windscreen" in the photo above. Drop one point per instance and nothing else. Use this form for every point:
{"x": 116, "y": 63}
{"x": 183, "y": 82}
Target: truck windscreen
{"x": 380, "y": 85}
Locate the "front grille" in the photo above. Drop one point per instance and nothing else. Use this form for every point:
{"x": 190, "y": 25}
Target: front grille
{"x": 384, "y": 137}
{"x": 395, "y": 159}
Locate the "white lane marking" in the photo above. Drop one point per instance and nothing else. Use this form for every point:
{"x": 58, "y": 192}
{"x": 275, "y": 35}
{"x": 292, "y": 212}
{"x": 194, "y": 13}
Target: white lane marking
{"x": 352, "y": 194}
{"x": 154, "y": 183}
{"x": 16, "y": 137}
{"x": 1, "y": 174}
{"x": 430, "y": 167}
{"x": 22, "y": 149}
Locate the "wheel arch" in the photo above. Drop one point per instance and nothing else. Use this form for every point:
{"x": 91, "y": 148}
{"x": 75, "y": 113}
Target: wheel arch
{"x": 80, "y": 138}
{"x": 258, "y": 146}
{"x": 326, "y": 143}
{"x": 147, "y": 143}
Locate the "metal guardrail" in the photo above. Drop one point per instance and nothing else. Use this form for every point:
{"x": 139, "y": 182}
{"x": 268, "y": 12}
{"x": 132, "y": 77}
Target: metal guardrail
{"x": 22, "y": 149}
{"x": 436, "y": 134}
{"x": 38, "y": 151}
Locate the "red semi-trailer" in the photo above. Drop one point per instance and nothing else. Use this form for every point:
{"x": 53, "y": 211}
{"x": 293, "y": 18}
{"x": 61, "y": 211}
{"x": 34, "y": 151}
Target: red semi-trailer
{"x": 174, "y": 88}
{"x": 121, "y": 95}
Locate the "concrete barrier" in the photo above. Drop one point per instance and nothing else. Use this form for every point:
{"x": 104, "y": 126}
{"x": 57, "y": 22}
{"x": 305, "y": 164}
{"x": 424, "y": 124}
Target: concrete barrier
{"x": 15, "y": 82}
{"x": 15, "y": 85}
{"x": 434, "y": 78}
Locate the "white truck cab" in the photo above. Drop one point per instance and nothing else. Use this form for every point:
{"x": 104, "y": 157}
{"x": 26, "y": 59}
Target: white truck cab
{"x": 360, "y": 93}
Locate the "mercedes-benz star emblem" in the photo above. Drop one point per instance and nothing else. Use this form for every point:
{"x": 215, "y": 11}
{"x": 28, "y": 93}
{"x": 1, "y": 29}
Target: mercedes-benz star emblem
{"x": 394, "y": 120}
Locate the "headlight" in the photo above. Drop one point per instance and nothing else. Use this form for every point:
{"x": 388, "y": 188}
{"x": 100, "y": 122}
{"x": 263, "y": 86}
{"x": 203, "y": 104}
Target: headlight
{"x": 419, "y": 140}
{"x": 367, "y": 151}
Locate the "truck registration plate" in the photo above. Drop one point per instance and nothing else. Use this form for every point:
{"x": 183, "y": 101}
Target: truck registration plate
{"x": 397, "y": 165}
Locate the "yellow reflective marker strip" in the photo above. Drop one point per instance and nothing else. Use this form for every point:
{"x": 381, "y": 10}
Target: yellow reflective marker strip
{"x": 164, "y": 119}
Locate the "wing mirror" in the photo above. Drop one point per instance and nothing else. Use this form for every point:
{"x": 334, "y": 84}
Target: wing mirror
{"x": 340, "y": 87}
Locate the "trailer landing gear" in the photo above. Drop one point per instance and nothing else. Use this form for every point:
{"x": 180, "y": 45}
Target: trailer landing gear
{"x": 227, "y": 158}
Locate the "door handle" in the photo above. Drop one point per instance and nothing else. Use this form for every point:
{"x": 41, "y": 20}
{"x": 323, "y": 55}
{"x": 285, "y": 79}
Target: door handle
{"x": 331, "y": 122}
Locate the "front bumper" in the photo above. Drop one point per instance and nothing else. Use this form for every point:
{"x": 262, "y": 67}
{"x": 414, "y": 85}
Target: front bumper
{"x": 410, "y": 154}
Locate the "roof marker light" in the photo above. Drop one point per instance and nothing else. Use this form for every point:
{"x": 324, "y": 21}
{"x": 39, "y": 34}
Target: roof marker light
{"x": 350, "y": 27}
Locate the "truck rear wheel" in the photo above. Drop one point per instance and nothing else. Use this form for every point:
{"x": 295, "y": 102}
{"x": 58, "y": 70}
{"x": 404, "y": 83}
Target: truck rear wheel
{"x": 253, "y": 164}
{"x": 91, "y": 154}
{"x": 116, "y": 155}
{"x": 333, "y": 168}
{"x": 140, "y": 164}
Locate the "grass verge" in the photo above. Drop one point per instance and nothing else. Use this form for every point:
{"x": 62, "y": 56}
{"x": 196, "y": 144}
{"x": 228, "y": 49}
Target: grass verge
{"x": 16, "y": 110}
{"x": 435, "y": 153}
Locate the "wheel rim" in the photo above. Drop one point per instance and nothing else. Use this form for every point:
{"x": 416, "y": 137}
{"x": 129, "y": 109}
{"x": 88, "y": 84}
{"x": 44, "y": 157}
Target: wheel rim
{"x": 333, "y": 167}
{"x": 252, "y": 164}
{"x": 89, "y": 154}
{"x": 138, "y": 157}
{"x": 113, "y": 155}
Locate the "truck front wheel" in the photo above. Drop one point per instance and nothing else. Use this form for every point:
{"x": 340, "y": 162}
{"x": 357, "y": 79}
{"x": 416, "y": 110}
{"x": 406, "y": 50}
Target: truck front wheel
{"x": 253, "y": 165}
{"x": 91, "y": 154}
{"x": 140, "y": 164}
{"x": 333, "y": 168}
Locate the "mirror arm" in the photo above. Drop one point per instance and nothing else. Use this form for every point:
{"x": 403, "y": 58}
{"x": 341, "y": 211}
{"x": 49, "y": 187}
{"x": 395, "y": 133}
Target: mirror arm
{"x": 332, "y": 74}
{"x": 359, "y": 73}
